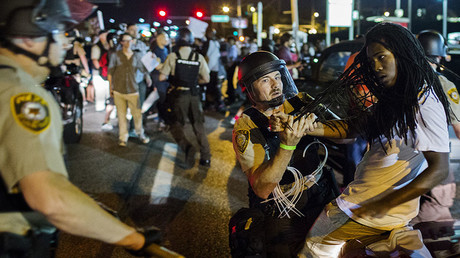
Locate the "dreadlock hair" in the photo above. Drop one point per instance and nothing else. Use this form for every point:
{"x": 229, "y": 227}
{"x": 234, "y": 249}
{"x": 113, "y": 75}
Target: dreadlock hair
{"x": 382, "y": 111}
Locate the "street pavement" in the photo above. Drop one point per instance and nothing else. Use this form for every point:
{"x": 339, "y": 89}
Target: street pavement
{"x": 147, "y": 186}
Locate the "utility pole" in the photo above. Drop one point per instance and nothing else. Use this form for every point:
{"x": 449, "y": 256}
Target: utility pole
{"x": 409, "y": 14}
{"x": 295, "y": 22}
{"x": 238, "y": 14}
{"x": 444, "y": 20}
{"x": 259, "y": 23}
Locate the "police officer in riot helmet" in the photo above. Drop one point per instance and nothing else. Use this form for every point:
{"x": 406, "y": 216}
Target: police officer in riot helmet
{"x": 35, "y": 192}
{"x": 269, "y": 142}
{"x": 433, "y": 43}
{"x": 186, "y": 69}
{"x": 436, "y": 49}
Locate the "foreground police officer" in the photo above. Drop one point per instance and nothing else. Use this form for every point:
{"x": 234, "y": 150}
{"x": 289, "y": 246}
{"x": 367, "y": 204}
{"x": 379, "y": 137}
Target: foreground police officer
{"x": 32, "y": 170}
{"x": 271, "y": 155}
{"x": 186, "y": 69}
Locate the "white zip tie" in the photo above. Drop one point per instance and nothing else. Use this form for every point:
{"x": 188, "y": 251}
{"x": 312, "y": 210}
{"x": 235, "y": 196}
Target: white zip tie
{"x": 282, "y": 200}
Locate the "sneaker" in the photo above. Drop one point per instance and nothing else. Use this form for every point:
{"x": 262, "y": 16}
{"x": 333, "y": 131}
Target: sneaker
{"x": 122, "y": 143}
{"x": 107, "y": 127}
{"x": 144, "y": 139}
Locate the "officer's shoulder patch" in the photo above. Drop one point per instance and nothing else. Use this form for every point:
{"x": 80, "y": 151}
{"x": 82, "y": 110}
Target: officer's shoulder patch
{"x": 30, "y": 111}
{"x": 242, "y": 140}
{"x": 453, "y": 95}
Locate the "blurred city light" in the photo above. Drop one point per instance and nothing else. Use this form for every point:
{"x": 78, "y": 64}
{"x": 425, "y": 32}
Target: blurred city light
{"x": 252, "y": 9}
{"x": 316, "y": 14}
{"x": 141, "y": 20}
{"x": 226, "y": 9}
{"x": 162, "y": 13}
{"x": 235, "y": 33}
{"x": 199, "y": 14}
{"x": 241, "y": 38}
{"x": 173, "y": 34}
{"x": 111, "y": 20}
{"x": 156, "y": 24}
{"x": 386, "y": 14}
{"x": 187, "y": 22}
{"x": 168, "y": 21}
{"x": 276, "y": 31}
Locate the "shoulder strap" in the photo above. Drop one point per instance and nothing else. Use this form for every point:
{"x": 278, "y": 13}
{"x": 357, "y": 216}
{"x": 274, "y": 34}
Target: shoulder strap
{"x": 260, "y": 120}
{"x": 5, "y": 67}
{"x": 296, "y": 103}
{"x": 178, "y": 54}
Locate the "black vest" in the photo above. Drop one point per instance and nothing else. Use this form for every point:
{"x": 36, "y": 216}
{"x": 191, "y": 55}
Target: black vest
{"x": 187, "y": 71}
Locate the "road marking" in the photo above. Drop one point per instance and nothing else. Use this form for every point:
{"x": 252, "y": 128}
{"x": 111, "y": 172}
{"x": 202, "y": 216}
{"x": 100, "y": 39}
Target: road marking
{"x": 162, "y": 183}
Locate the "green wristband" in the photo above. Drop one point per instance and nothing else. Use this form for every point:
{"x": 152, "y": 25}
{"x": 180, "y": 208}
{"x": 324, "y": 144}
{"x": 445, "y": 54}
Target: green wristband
{"x": 287, "y": 147}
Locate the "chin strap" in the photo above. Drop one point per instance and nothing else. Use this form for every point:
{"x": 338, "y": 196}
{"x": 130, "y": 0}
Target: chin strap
{"x": 41, "y": 60}
{"x": 274, "y": 102}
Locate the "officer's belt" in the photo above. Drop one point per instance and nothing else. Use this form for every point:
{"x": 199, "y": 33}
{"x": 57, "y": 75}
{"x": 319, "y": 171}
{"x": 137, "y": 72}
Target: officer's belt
{"x": 182, "y": 88}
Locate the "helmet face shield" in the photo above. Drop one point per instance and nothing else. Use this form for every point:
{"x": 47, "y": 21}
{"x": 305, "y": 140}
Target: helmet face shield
{"x": 270, "y": 83}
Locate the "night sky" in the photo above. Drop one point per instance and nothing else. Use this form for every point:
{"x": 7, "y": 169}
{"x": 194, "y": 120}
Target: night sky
{"x": 131, "y": 10}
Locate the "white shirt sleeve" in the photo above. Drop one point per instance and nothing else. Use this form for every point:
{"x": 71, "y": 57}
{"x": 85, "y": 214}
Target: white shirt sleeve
{"x": 431, "y": 133}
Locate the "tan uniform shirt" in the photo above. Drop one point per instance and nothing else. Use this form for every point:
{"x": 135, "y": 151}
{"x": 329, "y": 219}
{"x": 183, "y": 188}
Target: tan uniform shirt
{"x": 30, "y": 134}
{"x": 453, "y": 97}
{"x": 248, "y": 141}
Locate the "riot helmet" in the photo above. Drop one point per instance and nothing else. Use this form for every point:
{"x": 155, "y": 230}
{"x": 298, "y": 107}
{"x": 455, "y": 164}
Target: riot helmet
{"x": 184, "y": 37}
{"x": 433, "y": 43}
{"x": 32, "y": 18}
{"x": 37, "y": 18}
{"x": 257, "y": 66}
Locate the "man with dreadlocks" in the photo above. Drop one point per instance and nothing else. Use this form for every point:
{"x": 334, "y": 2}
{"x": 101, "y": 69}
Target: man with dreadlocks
{"x": 409, "y": 143}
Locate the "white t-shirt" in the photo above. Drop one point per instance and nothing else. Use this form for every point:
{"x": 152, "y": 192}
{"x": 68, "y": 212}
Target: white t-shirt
{"x": 213, "y": 55}
{"x": 380, "y": 172}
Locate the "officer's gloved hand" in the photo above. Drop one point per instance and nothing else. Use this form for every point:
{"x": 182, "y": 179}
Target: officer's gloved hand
{"x": 152, "y": 235}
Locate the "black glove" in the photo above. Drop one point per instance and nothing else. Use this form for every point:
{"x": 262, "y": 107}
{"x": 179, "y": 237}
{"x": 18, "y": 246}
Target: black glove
{"x": 152, "y": 235}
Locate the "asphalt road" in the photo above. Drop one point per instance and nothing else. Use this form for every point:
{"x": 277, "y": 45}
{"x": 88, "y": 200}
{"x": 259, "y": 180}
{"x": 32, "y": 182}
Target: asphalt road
{"x": 147, "y": 185}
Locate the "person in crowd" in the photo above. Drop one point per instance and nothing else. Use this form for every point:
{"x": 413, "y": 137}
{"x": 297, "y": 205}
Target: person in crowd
{"x": 434, "y": 205}
{"x": 409, "y": 143}
{"x": 34, "y": 189}
{"x": 246, "y": 101}
{"x": 75, "y": 60}
{"x": 76, "y": 55}
{"x": 139, "y": 46}
{"x": 268, "y": 45}
{"x": 284, "y": 52}
{"x": 112, "y": 39}
{"x": 269, "y": 157}
{"x": 213, "y": 88}
{"x": 161, "y": 50}
{"x": 185, "y": 69}
{"x": 123, "y": 67}
{"x": 99, "y": 58}
{"x": 230, "y": 64}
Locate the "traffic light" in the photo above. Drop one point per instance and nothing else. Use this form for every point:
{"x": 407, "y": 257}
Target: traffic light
{"x": 199, "y": 14}
{"x": 162, "y": 13}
